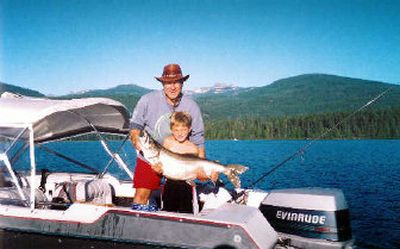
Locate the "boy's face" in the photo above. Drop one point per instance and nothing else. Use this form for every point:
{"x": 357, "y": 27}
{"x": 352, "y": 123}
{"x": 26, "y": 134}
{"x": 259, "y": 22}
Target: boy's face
{"x": 180, "y": 132}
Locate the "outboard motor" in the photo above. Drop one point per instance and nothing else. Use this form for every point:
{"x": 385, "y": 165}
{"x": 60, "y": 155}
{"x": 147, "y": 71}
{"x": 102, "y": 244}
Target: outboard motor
{"x": 309, "y": 217}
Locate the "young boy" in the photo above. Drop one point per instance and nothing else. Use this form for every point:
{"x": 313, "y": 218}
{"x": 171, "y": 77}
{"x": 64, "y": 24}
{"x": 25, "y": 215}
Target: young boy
{"x": 177, "y": 195}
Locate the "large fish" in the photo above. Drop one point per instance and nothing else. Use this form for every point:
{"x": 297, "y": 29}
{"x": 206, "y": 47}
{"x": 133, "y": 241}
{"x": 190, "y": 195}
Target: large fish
{"x": 185, "y": 167}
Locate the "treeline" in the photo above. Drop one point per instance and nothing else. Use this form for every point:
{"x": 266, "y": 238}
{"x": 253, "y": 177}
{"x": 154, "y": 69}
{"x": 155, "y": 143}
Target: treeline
{"x": 364, "y": 124}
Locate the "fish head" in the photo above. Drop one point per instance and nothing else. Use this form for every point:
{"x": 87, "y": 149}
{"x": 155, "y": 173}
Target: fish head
{"x": 149, "y": 147}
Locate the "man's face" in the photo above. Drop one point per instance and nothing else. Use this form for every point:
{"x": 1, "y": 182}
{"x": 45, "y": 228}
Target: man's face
{"x": 172, "y": 89}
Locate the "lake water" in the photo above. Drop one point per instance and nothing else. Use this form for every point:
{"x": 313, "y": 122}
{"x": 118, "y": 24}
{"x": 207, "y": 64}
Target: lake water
{"x": 368, "y": 172}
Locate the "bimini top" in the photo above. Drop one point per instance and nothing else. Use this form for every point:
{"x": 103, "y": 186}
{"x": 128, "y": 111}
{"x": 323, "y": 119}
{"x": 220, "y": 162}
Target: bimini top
{"x": 56, "y": 119}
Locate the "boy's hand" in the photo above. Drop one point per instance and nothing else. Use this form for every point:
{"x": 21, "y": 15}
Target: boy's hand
{"x": 157, "y": 168}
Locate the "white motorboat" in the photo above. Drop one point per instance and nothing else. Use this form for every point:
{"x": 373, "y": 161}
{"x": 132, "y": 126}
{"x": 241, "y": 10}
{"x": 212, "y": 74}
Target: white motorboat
{"x": 96, "y": 205}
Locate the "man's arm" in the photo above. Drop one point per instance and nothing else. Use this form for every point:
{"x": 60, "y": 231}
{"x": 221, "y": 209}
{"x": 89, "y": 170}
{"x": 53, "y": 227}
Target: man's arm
{"x": 134, "y": 133}
{"x": 197, "y": 134}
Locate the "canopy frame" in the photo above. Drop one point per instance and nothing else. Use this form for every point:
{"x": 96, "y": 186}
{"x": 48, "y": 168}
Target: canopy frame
{"x": 47, "y": 120}
{"x": 4, "y": 157}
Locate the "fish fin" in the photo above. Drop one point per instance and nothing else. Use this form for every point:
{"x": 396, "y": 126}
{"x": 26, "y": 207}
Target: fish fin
{"x": 233, "y": 171}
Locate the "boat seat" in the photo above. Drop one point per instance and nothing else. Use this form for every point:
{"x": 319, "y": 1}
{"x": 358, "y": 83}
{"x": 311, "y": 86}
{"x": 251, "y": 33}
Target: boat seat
{"x": 95, "y": 191}
{"x": 10, "y": 195}
{"x": 213, "y": 200}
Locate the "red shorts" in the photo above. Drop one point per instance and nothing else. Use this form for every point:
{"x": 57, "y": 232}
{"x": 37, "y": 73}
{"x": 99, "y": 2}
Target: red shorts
{"x": 145, "y": 176}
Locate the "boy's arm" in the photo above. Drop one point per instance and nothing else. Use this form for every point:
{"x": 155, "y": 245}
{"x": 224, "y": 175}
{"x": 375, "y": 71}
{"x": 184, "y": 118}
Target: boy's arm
{"x": 166, "y": 143}
{"x": 202, "y": 152}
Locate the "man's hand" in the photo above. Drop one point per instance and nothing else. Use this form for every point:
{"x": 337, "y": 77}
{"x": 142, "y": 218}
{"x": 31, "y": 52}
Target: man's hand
{"x": 135, "y": 139}
{"x": 202, "y": 176}
{"x": 214, "y": 176}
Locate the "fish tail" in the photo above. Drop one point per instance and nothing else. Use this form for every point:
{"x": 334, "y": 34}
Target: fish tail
{"x": 233, "y": 171}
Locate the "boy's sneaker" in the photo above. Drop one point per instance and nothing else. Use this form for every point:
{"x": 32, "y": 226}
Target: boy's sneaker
{"x": 148, "y": 208}
{"x": 152, "y": 208}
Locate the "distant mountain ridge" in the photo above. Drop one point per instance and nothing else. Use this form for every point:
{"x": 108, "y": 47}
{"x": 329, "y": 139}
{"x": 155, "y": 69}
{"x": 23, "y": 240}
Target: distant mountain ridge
{"x": 126, "y": 89}
{"x": 20, "y": 90}
{"x": 292, "y": 96}
{"x": 218, "y": 88}
{"x": 300, "y": 95}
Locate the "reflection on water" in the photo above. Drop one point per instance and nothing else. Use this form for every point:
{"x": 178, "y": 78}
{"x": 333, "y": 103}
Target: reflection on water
{"x": 17, "y": 240}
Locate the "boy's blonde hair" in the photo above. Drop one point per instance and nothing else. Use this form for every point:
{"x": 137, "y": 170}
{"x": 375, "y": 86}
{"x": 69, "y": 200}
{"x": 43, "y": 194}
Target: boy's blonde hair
{"x": 181, "y": 118}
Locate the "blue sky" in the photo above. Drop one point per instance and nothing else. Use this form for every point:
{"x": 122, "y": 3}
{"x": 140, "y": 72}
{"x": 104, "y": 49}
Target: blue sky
{"x": 57, "y": 46}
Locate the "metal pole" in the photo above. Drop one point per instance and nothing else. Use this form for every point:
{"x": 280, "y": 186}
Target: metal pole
{"x": 4, "y": 158}
{"x": 33, "y": 166}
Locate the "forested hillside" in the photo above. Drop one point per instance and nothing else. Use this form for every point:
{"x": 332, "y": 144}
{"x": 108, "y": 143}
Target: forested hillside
{"x": 365, "y": 124}
{"x": 20, "y": 90}
{"x": 304, "y": 94}
{"x": 120, "y": 90}
{"x": 299, "y": 95}
{"x": 298, "y": 107}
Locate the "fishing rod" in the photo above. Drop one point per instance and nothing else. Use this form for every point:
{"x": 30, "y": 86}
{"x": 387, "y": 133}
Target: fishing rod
{"x": 312, "y": 141}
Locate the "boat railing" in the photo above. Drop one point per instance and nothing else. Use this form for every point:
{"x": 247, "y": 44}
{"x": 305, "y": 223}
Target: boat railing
{"x": 5, "y": 159}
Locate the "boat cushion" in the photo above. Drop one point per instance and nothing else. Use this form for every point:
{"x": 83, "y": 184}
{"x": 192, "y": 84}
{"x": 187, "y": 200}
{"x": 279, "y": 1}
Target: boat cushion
{"x": 96, "y": 191}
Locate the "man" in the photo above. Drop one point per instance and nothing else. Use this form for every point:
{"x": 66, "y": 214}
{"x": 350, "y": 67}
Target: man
{"x": 152, "y": 113}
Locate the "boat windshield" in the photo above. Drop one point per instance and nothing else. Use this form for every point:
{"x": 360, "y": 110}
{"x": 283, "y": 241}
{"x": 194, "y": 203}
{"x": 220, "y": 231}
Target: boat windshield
{"x": 87, "y": 155}
{"x": 11, "y": 141}
{"x": 83, "y": 154}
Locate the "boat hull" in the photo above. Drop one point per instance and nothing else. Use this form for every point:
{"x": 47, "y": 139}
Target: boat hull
{"x": 211, "y": 230}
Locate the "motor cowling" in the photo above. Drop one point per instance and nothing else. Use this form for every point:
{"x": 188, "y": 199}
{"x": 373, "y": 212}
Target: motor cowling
{"x": 308, "y": 215}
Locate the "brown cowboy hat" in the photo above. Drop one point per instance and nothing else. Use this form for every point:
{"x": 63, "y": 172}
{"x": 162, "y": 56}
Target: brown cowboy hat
{"x": 171, "y": 73}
